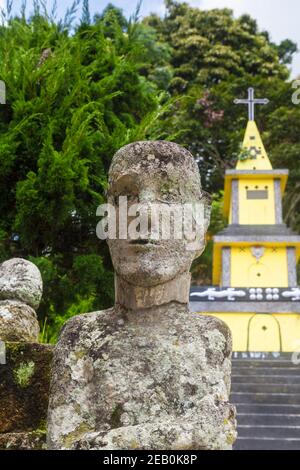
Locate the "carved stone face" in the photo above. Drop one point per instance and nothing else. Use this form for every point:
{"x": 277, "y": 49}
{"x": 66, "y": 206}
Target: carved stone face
{"x": 152, "y": 174}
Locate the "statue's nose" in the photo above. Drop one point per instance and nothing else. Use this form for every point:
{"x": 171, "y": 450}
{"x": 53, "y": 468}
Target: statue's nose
{"x": 147, "y": 196}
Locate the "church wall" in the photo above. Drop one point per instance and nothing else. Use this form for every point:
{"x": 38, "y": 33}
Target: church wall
{"x": 247, "y": 271}
{"x": 260, "y": 211}
{"x": 263, "y": 332}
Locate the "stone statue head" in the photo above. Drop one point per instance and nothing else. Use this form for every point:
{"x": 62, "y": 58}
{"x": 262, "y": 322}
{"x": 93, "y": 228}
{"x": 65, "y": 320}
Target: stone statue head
{"x": 156, "y": 176}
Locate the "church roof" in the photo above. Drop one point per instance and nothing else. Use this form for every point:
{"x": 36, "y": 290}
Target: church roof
{"x": 253, "y": 154}
{"x": 259, "y": 233}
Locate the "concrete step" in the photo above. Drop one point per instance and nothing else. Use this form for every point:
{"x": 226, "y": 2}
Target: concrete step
{"x": 258, "y": 443}
{"x": 269, "y": 431}
{"x": 266, "y": 388}
{"x": 266, "y": 398}
{"x": 269, "y": 419}
{"x": 261, "y": 379}
{"x": 266, "y": 393}
{"x": 263, "y": 363}
{"x": 266, "y": 356}
{"x": 257, "y": 408}
{"x": 266, "y": 371}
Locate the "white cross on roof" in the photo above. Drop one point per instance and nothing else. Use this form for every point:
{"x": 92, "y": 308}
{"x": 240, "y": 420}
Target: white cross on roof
{"x": 251, "y": 102}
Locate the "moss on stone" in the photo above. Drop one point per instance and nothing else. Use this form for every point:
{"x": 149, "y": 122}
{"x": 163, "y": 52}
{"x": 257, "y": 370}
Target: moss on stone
{"x": 231, "y": 438}
{"x": 76, "y": 435}
{"x": 35, "y": 440}
{"x": 24, "y": 391}
{"x": 80, "y": 354}
{"x": 15, "y": 350}
{"x": 115, "y": 419}
{"x": 24, "y": 373}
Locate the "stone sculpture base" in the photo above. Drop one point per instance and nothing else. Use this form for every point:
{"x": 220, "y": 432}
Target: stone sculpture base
{"x": 152, "y": 379}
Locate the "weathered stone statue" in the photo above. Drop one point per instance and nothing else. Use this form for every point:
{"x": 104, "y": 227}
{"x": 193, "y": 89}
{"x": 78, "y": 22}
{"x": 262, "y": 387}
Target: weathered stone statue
{"x": 24, "y": 363}
{"x": 21, "y": 289}
{"x": 147, "y": 373}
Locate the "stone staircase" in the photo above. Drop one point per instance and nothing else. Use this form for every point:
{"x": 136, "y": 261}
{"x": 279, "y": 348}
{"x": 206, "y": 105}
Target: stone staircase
{"x": 266, "y": 392}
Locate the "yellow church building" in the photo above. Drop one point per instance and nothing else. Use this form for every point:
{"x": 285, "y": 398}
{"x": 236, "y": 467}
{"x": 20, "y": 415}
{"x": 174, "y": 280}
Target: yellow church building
{"x": 255, "y": 258}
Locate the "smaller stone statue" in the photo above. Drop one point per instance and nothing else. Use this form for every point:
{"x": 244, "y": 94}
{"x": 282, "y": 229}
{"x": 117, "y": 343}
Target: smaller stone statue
{"x": 21, "y": 289}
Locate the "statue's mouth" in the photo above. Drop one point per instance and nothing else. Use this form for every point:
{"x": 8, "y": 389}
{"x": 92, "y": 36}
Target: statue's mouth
{"x": 139, "y": 242}
{"x": 143, "y": 241}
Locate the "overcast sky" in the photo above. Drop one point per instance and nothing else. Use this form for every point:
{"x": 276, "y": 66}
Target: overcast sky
{"x": 280, "y": 18}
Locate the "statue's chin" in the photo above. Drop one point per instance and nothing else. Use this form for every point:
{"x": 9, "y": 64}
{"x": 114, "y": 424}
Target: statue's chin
{"x": 148, "y": 276}
{"x": 146, "y": 266}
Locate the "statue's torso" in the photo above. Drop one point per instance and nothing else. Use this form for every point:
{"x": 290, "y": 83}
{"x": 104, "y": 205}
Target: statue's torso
{"x": 117, "y": 369}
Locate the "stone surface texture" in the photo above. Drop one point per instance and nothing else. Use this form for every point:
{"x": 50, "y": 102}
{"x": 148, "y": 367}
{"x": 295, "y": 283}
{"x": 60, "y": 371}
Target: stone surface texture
{"x": 35, "y": 440}
{"x": 21, "y": 290}
{"x": 18, "y": 322}
{"x": 21, "y": 280}
{"x": 150, "y": 380}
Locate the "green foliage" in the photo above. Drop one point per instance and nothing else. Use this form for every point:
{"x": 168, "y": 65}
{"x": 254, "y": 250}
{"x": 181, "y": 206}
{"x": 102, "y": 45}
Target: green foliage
{"x": 245, "y": 154}
{"x": 214, "y": 59}
{"x": 73, "y": 101}
{"x": 76, "y": 94}
{"x": 202, "y": 267}
{"x": 286, "y": 50}
{"x": 210, "y": 46}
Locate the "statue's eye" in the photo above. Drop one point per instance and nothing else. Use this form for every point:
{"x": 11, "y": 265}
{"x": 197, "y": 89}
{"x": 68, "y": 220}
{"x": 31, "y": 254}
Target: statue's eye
{"x": 132, "y": 198}
{"x": 129, "y": 198}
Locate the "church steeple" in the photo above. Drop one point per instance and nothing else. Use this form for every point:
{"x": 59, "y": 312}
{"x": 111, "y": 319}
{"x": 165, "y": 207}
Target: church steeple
{"x": 254, "y": 191}
{"x": 253, "y": 155}
{"x": 253, "y": 206}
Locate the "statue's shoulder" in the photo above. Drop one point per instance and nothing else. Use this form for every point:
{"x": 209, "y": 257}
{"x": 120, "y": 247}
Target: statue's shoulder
{"x": 214, "y": 329}
{"x": 209, "y": 322}
{"x": 88, "y": 328}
